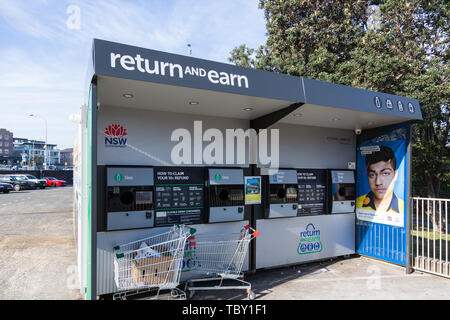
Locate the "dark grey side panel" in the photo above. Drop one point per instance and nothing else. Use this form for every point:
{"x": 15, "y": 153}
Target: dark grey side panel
{"x": 335, "y": 95}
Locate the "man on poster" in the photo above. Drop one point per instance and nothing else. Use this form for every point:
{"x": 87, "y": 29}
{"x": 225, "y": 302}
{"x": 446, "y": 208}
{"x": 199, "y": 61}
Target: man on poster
{"x": 382, "y": 175}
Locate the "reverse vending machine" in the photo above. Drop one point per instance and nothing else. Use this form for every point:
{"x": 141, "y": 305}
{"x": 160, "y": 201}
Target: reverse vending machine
{"x": 226, "y": 195}
{"x": 170, "y": 144}
{"x": 299, "y": 226}
{"x": 283, "y": 194}
{"x": 141, "y": 197}
{"x": 142, "y": 201}
{"x": 343, "y": 198}
{"x": 129, "y": 198}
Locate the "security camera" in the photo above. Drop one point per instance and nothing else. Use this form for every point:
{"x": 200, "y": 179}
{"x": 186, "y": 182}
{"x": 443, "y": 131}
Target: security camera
{"x": 358, "y": 131}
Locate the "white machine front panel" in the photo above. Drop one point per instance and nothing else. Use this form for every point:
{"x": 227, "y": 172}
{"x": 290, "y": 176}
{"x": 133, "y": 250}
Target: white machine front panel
{"x": 301, "y": 239}
{"x": 222, "y": 214}
{"x": 106, "y": 241}
{"x": 130, "y": 220}
{"x": 343, "y": 206}
{"x": 283, "y": 210}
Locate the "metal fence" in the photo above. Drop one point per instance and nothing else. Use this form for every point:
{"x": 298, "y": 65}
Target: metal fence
{"x": 430, "y": 235}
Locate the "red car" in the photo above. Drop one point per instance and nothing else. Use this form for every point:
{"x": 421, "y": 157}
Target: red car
{"x": 53, "y": 182}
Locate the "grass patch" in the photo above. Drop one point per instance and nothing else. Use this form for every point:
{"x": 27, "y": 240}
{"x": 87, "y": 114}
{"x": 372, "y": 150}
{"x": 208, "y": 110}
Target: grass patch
{"x": 430, "y": 235}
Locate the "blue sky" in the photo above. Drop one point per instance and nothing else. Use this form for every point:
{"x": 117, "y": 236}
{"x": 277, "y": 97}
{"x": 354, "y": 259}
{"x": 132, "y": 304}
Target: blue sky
{"x": 43, "y": 61}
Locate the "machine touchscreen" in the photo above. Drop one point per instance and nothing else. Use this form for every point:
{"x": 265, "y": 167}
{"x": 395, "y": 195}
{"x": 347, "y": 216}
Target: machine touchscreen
{"x": 312, "y": 191}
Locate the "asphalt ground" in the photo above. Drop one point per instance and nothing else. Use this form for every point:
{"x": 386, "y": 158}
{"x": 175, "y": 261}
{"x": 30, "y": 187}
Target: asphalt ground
{"x": 37, "y": 245}
{"x": 352, "y": 278}
{"x": 39, "y": 262}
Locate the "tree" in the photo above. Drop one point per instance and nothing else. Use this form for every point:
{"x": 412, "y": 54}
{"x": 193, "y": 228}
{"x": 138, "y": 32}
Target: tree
{"x": 404, "y": 52}
{"x": 408, "y": 56}
{"x": 433, "y": 91}
{"x": 307, "y": 38}
{"x": 251, "y": 58}
{"x": 37, "y": 160}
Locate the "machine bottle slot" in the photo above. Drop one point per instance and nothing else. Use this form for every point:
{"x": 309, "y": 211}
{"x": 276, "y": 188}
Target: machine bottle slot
{"x": 129, "y": 199}
{"x": 226, "y": 195}
{"x": 284, "y": 193}
{"x": 223, "y": 196}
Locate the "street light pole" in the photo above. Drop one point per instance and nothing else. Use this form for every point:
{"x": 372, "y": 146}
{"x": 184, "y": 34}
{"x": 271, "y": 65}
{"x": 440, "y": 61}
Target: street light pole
{"x": 45, "y": 147}
{"x": 32, "y": 154}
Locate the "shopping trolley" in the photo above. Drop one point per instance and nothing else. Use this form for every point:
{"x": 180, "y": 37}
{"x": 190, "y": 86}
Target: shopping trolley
{"x": 220, "y": 257}
{"x": 151, "y": 264}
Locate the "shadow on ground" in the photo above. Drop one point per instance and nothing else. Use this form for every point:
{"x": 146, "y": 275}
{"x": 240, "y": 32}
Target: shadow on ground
{"x": 263, "y": 281}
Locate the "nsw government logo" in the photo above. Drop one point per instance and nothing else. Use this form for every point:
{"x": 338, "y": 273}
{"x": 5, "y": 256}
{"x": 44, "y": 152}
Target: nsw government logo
{"x": 115, "y": 136}
{"x": 310, "y": 241}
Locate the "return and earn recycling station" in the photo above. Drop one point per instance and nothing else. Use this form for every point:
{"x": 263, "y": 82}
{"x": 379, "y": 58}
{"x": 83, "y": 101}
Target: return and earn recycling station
{"x": 170, "y": 139}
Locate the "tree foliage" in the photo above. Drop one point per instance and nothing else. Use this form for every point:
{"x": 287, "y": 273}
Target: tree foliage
{"x": 37, "y": 160}
{"x": 405, "y": 52}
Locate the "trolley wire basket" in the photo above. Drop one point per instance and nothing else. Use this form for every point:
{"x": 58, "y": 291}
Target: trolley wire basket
{"x": 151, "y": 263}
{"x": 220, "y": 257}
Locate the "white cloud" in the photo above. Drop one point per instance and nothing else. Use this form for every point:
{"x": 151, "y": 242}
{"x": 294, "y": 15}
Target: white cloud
{"x": 22, "y": 16}
{"x": 44, "y": 65}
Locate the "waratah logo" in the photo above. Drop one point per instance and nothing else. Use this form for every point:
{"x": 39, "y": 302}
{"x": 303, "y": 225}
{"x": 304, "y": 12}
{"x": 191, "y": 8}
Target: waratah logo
{"x": 115, "y": 134}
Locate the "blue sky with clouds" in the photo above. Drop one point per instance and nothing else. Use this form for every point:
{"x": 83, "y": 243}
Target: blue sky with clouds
{"x": 43, "y": 59}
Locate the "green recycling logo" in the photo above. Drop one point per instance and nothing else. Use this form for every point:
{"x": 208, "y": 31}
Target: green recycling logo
{"x": 217, "y": 177}
{"x": 310, "y": 241}
{"x": 118, "y": 177}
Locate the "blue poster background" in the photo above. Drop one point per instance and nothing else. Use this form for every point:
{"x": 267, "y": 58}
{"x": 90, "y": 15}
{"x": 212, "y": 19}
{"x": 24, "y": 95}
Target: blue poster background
{"x": 382, "y": 239}
{"x": 396, "y": 140}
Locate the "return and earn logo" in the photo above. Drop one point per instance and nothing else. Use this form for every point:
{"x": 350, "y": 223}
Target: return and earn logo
{"x": 310, "y": 241}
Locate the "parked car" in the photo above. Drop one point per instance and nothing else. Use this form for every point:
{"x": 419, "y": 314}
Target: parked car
{"x": 5, "y": 187}
{"x": 41, "y": 183}
{"x": 53, "y": 182}
{"x": 31, "y": 184}
{"x": 18, "y": 184}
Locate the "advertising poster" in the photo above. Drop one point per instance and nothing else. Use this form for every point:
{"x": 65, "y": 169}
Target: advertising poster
{"x": 252, "y": 190}
{"x": 381, "y": 178}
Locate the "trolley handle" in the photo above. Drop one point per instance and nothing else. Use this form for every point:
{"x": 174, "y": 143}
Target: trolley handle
{"x": 254, "y": 233}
